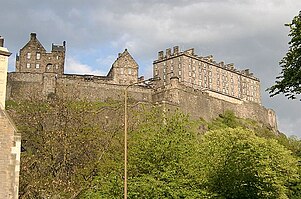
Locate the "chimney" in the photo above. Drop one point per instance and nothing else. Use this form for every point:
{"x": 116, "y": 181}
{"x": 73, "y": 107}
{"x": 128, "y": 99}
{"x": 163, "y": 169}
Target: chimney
{"x": 1, "y": 41}
{"x": 168, "y": 52}
{"x": 160, "y": 55}
{"x": 33, "y": 36}
{"x": 175, "y": 50}
{"x": 64, "y": 43}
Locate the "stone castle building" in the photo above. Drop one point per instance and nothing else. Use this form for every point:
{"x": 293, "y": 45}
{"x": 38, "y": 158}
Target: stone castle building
{"x": 10, "y": 140}
{"x": 203, "y": 73}
{"x": 196, "y": 85}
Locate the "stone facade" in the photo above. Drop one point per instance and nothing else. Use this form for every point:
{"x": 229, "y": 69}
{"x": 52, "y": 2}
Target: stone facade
{"x": 10, "y": 140}
{"x": 33, "y": 58}
{"x": 196, "y": 85}
{"x": 203, "y": 73}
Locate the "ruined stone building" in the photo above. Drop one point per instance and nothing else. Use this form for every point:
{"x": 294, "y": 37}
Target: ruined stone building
{"x": 194, "y": 84}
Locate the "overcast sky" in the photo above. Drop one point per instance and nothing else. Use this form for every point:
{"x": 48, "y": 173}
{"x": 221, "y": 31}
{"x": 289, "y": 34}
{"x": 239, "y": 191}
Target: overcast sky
{"x": 249, "y": 33}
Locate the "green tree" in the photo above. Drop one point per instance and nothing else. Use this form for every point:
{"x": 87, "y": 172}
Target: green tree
{"x": 241, "y": 165}
{"x": 289, "y": 81}
{"x": 163, "y": 160}
{"x": 67, "y": 144}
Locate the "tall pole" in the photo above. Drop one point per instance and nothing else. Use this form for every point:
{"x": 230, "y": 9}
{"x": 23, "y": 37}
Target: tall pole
{"x": 126, "y": 130}
{"x": 125, "y": 139}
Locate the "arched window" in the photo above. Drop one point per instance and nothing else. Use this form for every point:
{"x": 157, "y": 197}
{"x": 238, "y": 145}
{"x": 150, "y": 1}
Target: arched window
{"x": 49, "y": 67}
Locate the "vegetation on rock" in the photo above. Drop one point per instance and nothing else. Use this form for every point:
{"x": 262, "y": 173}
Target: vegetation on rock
{"x": 75, "y": 150}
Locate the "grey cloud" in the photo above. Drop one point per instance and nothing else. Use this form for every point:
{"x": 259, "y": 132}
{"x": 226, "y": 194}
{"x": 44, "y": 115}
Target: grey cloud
{"x": 249, "y": 33}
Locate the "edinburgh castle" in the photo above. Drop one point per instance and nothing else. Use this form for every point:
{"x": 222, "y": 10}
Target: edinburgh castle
{"x": 196, "y": 85}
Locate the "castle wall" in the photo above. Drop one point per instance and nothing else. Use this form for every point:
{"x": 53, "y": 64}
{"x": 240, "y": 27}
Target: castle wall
{"x": 39, "y": 86}
{"x": 198, "y": 104}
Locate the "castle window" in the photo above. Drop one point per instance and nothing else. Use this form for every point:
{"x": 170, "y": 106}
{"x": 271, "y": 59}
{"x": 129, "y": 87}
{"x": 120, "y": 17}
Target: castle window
{"x": 130, "y": 71}
{"x": 164, "y": 64}
{"x": 38, "y": 56}
{"x": 189, "y": 73}
{"x": 28, "y": 65}
{"x": 49, "y": 66}
{"x": 37, "y": 65}
{"x": 57, "y": 57}
{"x": 121, "y": 71}
{"x": 193, "y": 74}
{"x": 56, "y": 66}
{"x": 193, "y": 68}
{"x": 180, "y": 72}
{"x": 28, "y": 55}
{"x": 171, "y": 68}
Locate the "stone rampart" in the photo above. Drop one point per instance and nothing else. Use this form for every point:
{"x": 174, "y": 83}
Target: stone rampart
{"x": 82, "y": 87}
{"x": 201, "y": 104}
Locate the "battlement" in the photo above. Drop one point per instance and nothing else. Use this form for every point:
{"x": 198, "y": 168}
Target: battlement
{"x": 208, "y": 59}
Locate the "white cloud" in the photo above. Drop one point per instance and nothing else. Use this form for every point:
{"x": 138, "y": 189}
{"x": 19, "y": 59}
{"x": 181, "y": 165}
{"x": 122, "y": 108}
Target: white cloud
{"x": 74, "y": 66}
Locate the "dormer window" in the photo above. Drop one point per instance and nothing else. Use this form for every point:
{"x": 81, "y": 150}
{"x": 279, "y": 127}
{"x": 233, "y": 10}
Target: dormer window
{"x": 28, "y": 55}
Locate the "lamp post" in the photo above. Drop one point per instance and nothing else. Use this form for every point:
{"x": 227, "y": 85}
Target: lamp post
{"x": 126, "y": 127}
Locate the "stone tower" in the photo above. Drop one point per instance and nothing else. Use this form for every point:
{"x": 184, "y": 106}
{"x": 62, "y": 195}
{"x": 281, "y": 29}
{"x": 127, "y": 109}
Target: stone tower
{"x": 10, "y": 141}
{"x": 34, "y": 58}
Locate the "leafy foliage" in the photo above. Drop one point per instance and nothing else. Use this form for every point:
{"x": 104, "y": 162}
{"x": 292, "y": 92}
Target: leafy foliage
{"x": 75, "y": 150}
{"x": 289, "y": 81}
{"x": 241, "y": 165}
{"x": 66, "y": 145}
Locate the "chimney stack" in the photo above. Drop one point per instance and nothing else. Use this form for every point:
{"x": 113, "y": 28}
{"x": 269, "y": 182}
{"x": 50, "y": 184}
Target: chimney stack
{"x": 168, "y": 52}
{"x": 1, "y": 41}
{"x": 33, "y": 36}
{"x": 175, "y": 50}
{"x": 160, "y": 55}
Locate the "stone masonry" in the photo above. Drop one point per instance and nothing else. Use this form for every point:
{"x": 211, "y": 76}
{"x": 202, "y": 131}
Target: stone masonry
{"x": 10, "y": 140}
{"x": 194, "y": 84}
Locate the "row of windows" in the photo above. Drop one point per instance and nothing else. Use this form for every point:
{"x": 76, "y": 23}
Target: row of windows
{"x": 129, "y": 71}
{"x": 38, "y": 56}
{"x": 28, "y": 65}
